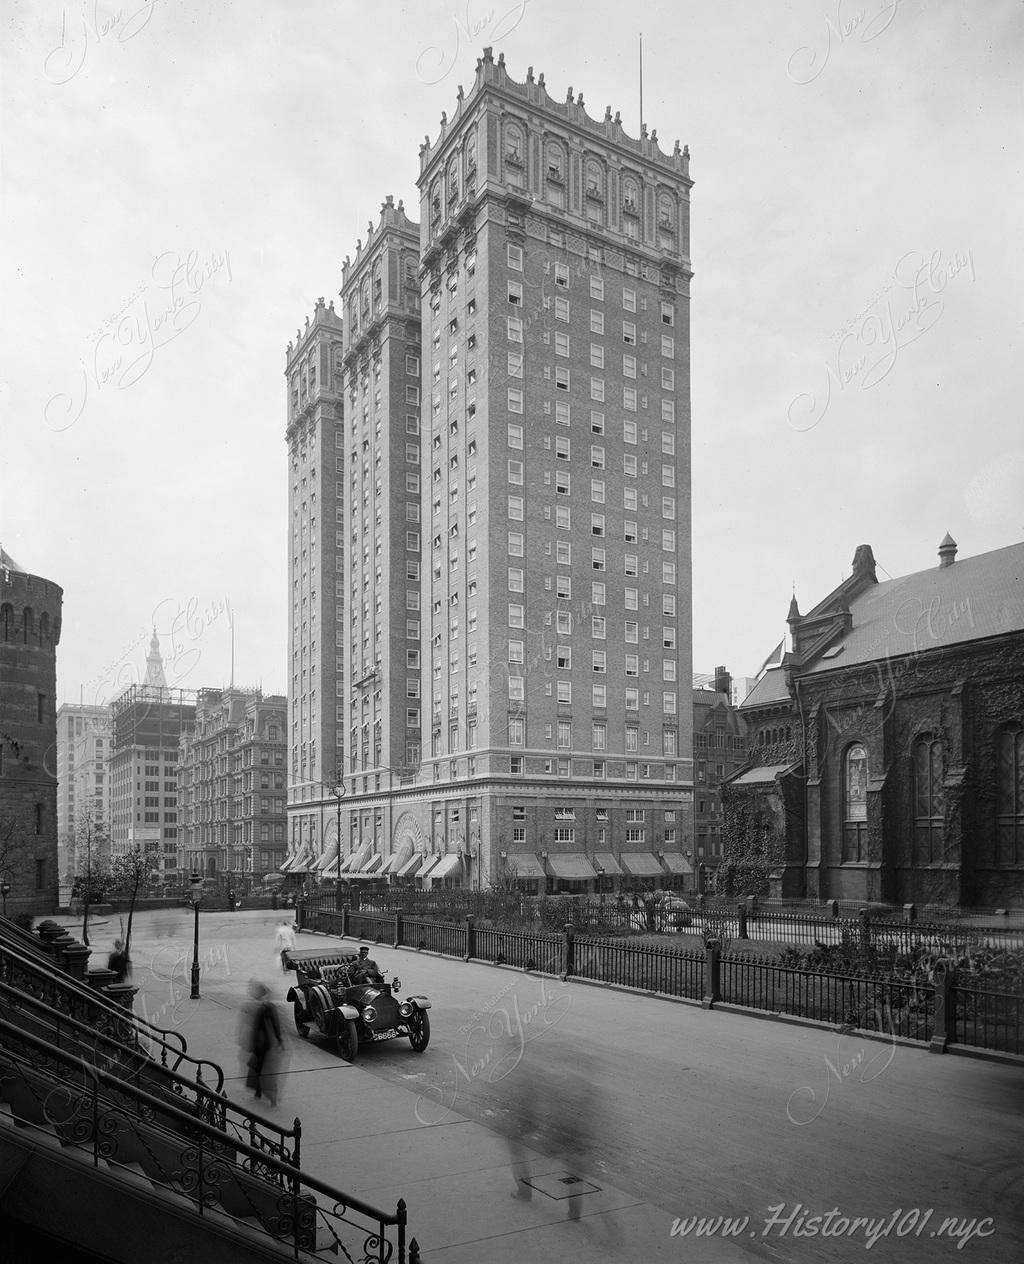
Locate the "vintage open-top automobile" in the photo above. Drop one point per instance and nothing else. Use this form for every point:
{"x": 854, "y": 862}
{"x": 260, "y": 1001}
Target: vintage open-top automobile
{"x": 343, "y": 1001}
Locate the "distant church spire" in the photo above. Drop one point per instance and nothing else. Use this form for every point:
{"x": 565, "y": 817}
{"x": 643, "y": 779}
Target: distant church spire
{"x": 155, "y": 665}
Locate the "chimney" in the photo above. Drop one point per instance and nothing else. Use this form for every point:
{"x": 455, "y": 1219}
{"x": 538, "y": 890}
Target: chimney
{"x": 864, "y": 562}
{"x": 723, "y": 682}
{"x": 947, "y": 551}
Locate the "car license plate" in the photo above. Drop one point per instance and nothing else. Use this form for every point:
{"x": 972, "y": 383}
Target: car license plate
{"x": 385, "y": 1035}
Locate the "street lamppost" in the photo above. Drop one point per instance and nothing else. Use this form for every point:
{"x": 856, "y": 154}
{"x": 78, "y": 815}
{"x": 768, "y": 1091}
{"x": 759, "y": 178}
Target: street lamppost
{"x": 5, "y": 891}
{"x": 600, "y": 885}
{"x": 195, "y": 894}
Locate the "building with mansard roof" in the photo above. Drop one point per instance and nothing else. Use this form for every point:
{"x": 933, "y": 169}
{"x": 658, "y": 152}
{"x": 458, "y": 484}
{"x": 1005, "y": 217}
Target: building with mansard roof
{"x": 887, "y": 746}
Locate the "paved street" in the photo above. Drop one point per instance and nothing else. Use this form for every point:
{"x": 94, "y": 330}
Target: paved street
{"x": 692, "y": 1113}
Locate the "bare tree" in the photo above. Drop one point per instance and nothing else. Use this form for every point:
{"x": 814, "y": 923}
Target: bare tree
{"x": 128, "y": 873}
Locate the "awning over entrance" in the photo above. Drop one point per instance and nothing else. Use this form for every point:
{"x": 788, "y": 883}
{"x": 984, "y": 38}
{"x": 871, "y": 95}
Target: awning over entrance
{"x": 526, "y": 864}
{"x": 676, "y": 862}
{"x": 606, "y": 861}
{"x": 299, "y": 863}
{"x": 447, "y": 866}
{"x": 428, "y": 865}
{"x": 397, "y": 859}
{"x": 356, "y": 860}
{"x": 410, "y": 866}
{"x": 330, "y": 857}
{"x": 642, "y": 864}
{"x": 370, "y": 868}
{"x": 570, "y": 864}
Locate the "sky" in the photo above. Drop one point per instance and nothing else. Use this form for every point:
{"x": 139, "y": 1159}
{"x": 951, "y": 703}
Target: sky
{"x": 180, "y": 182}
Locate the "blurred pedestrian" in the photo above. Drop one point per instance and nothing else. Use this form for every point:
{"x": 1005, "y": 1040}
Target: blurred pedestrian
{"x": 284, "y": 942}
{"x": 262, "y": 1042}
{"x": 553, "y": 1114}
{"x": 118, "y": 961}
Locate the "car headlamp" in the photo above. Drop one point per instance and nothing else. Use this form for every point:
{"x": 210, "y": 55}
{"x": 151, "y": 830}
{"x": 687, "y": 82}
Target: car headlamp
{"x": 369, "y": 1014}
{"x": 405, "y": 1009}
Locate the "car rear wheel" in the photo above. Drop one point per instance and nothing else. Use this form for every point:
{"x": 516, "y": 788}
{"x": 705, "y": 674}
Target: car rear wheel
{"x": 419, "y": 1030}
{"x": 348, "y": 1040}
{"x": 301, "y": 1026}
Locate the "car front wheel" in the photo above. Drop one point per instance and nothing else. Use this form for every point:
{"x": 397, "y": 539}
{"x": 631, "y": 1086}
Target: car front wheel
{"x": 419, "y": 1030}
{"x": 348, "y": 1041}
{"x": 301, "y": 1026}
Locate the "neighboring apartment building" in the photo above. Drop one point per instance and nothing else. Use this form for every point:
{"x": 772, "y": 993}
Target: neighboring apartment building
{"x": 83, "y": 783}
{"x": 546, "y": 583}
{"x": 316, "y": 576}
{"x": 719, "y": 750}
{"x": 232, "y": 780}
{"x": 148, "y": 721}
{"x": 30, "y": 625}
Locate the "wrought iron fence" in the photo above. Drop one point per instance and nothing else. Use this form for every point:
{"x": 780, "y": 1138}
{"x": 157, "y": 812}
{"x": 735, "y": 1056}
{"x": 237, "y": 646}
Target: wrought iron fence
{"x": 444, "y": 937}
{"x": 989, "y": 1020}
{"x": 639, "y": 966}
{"x": 868, "y": 1002}
{"x": 899, "y": 1003}
{"x": 528, "y": 950}
{"x": 57, "y": 1093}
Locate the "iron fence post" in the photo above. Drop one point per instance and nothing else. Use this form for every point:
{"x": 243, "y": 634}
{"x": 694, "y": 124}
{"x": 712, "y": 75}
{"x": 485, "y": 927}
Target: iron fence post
{"x": 741, "y": 912}
{"x": 712, "y": 974}
{"x": 399, "y": 927}
{"x": 944, "y": 1025}
{"x": 834, "y": 908}
{"x": 568, "y": 951}
{"x": 346, "y": 908}
{"x": 470, "y": 937}
{"x": 865, "y": 929}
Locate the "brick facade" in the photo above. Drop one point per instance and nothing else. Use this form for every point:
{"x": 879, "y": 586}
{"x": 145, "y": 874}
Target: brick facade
{"x": 30, "y": 625}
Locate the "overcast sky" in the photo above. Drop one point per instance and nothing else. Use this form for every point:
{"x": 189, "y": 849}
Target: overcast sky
{"x": 856, "y": 309}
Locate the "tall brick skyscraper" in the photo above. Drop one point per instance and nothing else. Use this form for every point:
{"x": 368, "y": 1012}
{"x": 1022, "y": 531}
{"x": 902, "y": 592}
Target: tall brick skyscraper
{"x": 551, "y": 623}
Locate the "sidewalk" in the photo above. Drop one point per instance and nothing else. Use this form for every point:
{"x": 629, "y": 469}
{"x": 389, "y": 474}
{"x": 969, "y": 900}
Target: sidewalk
{"x": 362, "y": 1136}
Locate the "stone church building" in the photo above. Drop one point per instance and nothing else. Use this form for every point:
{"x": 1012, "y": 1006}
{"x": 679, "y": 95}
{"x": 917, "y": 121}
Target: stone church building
{"x": 887, "y": 746}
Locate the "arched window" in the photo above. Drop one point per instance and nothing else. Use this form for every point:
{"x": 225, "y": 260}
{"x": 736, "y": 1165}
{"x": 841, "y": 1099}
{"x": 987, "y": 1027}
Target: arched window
{"x": 1010, "y": 797}
{"x": 515, "y": 155}
{"x": 27, "y": 619}
{"x": 554, "y": 173}
{"x": 452, "y": 182}
{"x": 44, "y": 628}
{"x": 666, "y": 220}
{"x": 929, "y": 801}
{"x": 855, "y": 805}
{"x": 6, "y": 620}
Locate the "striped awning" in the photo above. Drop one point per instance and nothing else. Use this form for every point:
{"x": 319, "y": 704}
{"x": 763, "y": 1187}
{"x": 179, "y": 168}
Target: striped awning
{"x": 330, "y": 857}
{"x": 356, "y": 860}
{"x": 397, "y": 859}
{"x": 410, "y": 866}
{"x": 642, "y": 864}
{"x": 606, "y": 861}
{"x": 428, "y": 865}
{"x": 570, "y": 864}
{"x": 446, "y": 866}
{"x": 676, "y": 862}
{"x": 525, "y": 865}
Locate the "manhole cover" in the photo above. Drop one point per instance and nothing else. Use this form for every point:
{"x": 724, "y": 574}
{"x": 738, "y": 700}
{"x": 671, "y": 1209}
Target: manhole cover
{"x": 562, "y": 1185}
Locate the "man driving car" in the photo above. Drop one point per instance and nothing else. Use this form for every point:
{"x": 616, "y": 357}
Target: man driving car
{"x": 365, "y": 969}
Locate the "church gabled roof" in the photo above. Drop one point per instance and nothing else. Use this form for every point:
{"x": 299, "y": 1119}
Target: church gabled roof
{"x": 947, "y": 605}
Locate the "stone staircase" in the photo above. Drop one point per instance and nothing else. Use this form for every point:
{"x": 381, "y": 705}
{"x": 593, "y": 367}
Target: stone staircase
{"x": 105, "y": 1144}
